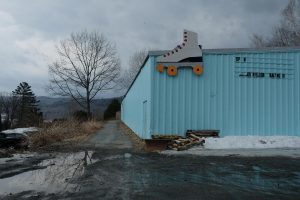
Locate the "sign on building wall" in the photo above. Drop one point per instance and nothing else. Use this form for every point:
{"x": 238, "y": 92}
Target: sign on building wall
{"x": 273, "y": 68}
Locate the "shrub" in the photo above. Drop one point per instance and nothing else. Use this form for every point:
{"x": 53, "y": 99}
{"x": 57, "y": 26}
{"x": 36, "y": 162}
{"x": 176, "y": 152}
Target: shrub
{"x": 112, "y": 109}
{"x": 80, "y": 115}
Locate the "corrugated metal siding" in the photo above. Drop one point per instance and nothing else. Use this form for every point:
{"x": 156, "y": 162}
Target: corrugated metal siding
{"x": 221, "y": 99}
{"x": 137, "y": 101}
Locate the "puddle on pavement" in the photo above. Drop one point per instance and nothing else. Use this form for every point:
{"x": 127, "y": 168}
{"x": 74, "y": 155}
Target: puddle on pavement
{"x": 232, "y": 177}
{"x": 119, "y": 156}
{"x": 255, "y": 178}
{"x": 57, "y": 176}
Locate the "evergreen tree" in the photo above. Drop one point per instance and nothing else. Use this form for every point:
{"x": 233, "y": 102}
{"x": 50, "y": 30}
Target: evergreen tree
{"x": 28, "y": 113}
{"x": 0, "y": 122}
{"x": 112, "y": 109}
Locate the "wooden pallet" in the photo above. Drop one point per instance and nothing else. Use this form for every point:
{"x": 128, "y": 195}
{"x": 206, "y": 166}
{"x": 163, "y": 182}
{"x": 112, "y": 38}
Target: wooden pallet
{"x": 165, "y": 137}
{"x": 203, "y": 133}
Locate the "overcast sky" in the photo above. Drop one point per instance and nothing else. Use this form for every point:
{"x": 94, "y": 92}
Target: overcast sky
{"x": 30, "y": 29}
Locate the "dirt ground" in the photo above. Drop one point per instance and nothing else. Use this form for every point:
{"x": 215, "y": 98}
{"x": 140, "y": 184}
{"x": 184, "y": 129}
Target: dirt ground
{"x": 98, "y": 170}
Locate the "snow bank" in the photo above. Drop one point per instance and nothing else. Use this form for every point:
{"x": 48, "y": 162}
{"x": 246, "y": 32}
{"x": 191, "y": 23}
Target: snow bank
{"x": 252, "y": 142}
{"x": 245, "y": 146}
{"x": 21, "y": 130}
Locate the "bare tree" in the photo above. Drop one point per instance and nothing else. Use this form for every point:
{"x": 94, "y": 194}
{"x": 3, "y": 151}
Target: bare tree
{"x": 287, "y": 33}
{"x": 87, "y": 64}
{"x": 135, "y": 63}
{"x": 9, "y": 105}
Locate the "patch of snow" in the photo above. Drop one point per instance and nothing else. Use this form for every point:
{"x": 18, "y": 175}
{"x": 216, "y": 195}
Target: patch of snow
{"x": 21, "y": 130}
{"x": 17, "y": 158}
{"x": 127, "y": 155}
{"x": 248, "y": 146}
{"x": 252, "y": 142}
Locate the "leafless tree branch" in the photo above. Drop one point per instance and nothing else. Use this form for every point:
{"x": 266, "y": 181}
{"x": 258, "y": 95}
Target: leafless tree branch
{"x": 287, "y": 33}
{"x": 135, "y": 63}
{"x": 87, "y": 64}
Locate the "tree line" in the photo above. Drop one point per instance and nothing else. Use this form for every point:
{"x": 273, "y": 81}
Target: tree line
{"x": 19, "y": 108}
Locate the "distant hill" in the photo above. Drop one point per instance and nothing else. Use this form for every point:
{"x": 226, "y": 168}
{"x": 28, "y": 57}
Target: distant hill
{"x": 57, "y": 108}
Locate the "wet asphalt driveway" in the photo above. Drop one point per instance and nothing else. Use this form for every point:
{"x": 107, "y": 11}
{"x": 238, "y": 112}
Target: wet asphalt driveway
{"x": 111, "y": 137}
{"x": 110, "y": 170}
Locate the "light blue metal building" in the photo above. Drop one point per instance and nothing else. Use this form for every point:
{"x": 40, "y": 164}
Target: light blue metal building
{"x": 239, "y": 92}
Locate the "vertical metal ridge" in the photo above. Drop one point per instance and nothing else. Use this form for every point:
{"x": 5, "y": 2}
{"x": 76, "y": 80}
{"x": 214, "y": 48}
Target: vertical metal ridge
{"x": 297, "y": 83}
{"x": 219, "y": 99}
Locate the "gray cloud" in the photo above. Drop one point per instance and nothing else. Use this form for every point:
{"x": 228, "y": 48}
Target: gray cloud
{"x": 29, "y": 30}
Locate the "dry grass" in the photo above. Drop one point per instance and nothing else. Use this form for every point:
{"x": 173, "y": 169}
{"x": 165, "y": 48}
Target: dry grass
{"x": 71, "y": 131}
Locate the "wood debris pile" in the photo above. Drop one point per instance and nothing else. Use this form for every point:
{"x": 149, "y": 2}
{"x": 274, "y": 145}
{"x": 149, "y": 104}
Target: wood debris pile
{"x": 165, "y": 137}
{"x": 204, "y": 133}
{"x": 186, "y": 143}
